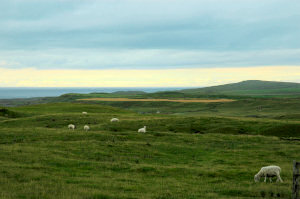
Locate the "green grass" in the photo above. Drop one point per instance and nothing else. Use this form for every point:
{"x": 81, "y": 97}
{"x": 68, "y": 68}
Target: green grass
{"x": 251, "y": 88}
{"x": 249, "y": 108}
{"x": 8, "y": 113}
{"x": 67, "y": 108}
{"x": 181, "y": 156}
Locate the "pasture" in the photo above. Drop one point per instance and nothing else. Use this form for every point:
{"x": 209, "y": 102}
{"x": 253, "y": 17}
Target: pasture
{"x": 157, "y": 100}
{"x": 180, "y": 156}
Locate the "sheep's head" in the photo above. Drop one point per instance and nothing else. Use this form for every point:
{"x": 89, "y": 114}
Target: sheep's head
{"x": 256, "y": 178}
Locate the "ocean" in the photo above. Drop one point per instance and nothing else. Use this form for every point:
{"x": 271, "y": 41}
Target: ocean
{"x": 21, "y": 92}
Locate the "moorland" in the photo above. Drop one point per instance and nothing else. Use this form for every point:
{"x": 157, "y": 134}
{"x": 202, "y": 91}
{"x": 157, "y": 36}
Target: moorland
{"x": 194, "y": 149}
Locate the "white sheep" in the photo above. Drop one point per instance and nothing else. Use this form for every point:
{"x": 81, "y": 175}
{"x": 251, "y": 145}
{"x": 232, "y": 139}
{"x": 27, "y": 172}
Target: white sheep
{"x": 142, "y": 130}
{"x": 84, "y": 113}
{"x": 86, "y": 127}
{"x": 268, "y": 172}
{"x": 114, "y": 120}
{"x": 71, "y": 126}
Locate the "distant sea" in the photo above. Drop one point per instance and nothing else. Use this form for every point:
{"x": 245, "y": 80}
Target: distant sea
{"x": 20, "y": 92}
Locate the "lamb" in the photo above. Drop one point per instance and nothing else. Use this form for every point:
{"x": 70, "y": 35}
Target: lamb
{"x": 142, "y": 130}
{"x": 114, "y": 120}
{"x": 84, "y": 113}
{"x": 268, "y": 172}
{"x": 71, "y": 126}
{"x": 86, "y": 127}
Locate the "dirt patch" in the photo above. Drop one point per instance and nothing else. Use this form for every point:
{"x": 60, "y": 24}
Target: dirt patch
{"x": 157, "y": 100}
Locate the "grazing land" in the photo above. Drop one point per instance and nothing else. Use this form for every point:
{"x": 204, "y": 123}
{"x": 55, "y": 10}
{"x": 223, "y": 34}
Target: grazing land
{"x": 251, "y": 88}
{"x": 157, "y": 100}
{"x": 191, "y": 150}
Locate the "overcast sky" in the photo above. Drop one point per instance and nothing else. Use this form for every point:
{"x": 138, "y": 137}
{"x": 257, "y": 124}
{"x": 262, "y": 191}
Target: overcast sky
{"x": 148, "y": 35}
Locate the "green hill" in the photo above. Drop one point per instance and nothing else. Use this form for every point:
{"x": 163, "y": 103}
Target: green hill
{"x": 251, "y": 88}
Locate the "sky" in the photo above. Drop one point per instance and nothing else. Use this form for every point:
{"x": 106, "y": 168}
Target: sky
{"x": 138, "y": 43}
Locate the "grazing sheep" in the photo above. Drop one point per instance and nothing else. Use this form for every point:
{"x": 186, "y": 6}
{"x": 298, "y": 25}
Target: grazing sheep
{"x": 157, "y": 112}
{"x": 86, "y": 127}
{"x": 142, "y": 130}
{"x": 268, "y": 172}
{"x": 114, "y": 120}
{"x": 71, "y": 126}
{"x": 84, "y": 113}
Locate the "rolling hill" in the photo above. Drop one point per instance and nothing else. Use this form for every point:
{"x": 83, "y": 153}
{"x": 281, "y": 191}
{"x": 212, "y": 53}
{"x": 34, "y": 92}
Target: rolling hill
{"x": 241, "y": 90}
{"x": 249, "y": 87}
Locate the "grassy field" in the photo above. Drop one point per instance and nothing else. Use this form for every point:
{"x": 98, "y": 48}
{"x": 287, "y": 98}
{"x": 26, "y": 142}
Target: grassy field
{"x": 251, "y": 88}
{"x": 156, "y": 100}
{"x": 275, "y": 108}
{"x": 200, "y": 155}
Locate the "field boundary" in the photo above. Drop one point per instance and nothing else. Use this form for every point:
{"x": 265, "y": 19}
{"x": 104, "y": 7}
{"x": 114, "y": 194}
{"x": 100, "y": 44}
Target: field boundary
{"x": 296, "y": 176}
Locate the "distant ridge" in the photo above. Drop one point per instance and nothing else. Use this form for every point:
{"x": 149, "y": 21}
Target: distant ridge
{"x": 250, "y": 87}
{"x": 129, "y": 92}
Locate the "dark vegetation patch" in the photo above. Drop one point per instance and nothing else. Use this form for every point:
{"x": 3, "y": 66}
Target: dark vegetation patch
{"x": 284, "y": 130}
{"x": 5, "y": 112}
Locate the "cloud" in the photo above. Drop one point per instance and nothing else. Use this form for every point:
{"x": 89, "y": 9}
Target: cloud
{"x": 144, "y": 58}
{"x": 148, "y": 34}
{"x": 151, "y": 24}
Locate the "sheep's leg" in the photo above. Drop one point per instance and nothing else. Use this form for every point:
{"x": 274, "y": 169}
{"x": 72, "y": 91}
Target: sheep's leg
{"x": 265, "y": 179}
{"x": 270, "y": 178}
{"x": 279, "y": 178}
